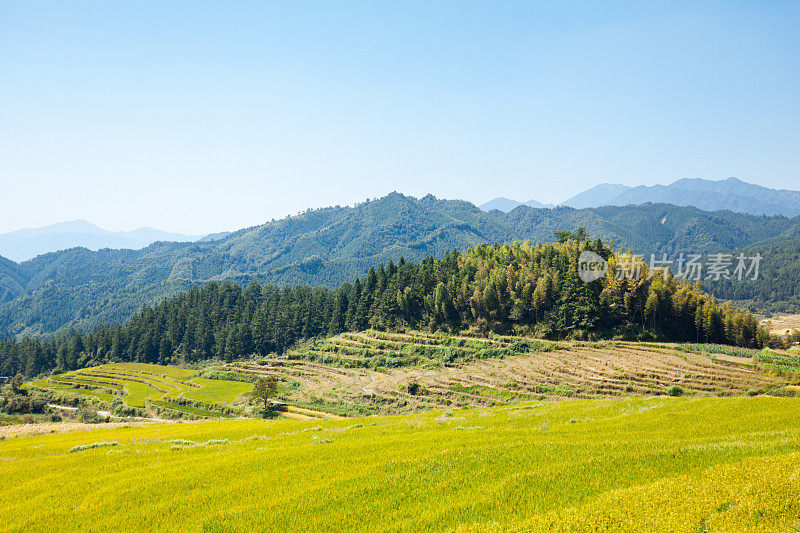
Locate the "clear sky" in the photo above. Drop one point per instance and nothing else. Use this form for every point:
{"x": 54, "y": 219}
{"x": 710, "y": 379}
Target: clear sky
{"x": 199, "y": 116}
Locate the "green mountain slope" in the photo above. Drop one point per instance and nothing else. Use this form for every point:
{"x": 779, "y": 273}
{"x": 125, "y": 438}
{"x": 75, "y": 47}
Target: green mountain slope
{"x": 12, "y": 283}
{"x": 778, "y": 286}
{"x": 328, "y": 246}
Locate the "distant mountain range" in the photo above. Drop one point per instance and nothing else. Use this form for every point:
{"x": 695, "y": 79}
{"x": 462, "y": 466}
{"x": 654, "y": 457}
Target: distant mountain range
{"x": 25, "y": 244}
{"x": 81, "y": 288}
{"x": 731, "y": 194}
{"x": 505, "y": 205}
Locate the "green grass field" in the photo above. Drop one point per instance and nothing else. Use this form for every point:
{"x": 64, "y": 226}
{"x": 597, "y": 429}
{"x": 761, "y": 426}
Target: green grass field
{"x": 217, "y": 390}
{"x": 172, "y": 372}
{"x": 138, "y": 382}
{"x": 652, "y": 464}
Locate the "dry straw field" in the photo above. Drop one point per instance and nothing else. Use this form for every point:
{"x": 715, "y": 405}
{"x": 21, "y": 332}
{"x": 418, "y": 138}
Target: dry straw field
{"x": 379, "y": 372}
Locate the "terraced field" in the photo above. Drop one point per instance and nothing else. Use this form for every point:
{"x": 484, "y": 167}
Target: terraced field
{"x": 164, "y": 389}
{"x": 142, "y": 385}
{"x": 71, "y": 388}
{"x": 375, "y": 371}
{"x": 630, "y": 464}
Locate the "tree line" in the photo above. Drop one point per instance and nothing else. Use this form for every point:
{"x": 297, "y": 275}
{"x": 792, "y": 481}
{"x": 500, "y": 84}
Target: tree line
{"x": 507, "y": 288}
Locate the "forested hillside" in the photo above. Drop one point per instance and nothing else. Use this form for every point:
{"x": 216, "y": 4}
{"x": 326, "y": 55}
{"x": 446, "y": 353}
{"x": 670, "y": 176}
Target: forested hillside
{"x": 12, "y": 283}
{"x": 778, "y": 286}
{"x": 329, "y": 246}
{"x": 520, "y": 288}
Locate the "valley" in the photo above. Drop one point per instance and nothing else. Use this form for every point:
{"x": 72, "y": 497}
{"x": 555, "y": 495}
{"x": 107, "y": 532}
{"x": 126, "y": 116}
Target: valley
{"x": 462, "y": 267}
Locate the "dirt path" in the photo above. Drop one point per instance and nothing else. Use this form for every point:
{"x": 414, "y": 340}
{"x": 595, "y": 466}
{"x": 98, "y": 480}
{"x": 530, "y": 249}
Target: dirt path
{"x": 368, "y": 388}
{"x": 64, "y": 407}
{"x": 107, "y": 414}
{"x": 27, "y": 430}
{"x": 312, "y": 413}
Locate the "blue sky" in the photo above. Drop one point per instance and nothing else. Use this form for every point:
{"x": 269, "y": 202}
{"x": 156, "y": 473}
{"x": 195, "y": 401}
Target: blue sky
{"x": 198, "y": 116}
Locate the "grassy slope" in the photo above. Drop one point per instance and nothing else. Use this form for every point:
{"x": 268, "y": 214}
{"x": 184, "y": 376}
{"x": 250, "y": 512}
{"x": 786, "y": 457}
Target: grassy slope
{"x": 674, "y": 464}
{"x": 172, "y": 372}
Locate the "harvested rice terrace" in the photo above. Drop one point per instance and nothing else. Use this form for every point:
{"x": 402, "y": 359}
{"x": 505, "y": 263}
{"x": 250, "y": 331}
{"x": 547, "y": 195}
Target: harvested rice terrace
{"x": 397, "y": 372}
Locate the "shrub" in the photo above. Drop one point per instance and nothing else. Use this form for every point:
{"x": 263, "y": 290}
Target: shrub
{"x": 520, "y": 346}
{"x": 675, "y": 390}
{"x": 22, "y": 403}
{"x": 229, "y": 376}
{"x": 16, "y": 384}
{"x": 415, "y": 389}
{"x": 119, "y": 408}
{"x": 88, "y": 416}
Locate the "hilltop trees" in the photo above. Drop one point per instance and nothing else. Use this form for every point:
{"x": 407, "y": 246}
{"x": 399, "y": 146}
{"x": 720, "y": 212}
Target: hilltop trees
{"x": 517, "y": 287}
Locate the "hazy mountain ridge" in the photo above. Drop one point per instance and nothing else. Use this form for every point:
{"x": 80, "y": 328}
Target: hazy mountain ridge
{"x": 505, "y": 205}
{"x": 597, "y": 196}
{"x": 27, "y": 243}
{"x": 731, "y": 194}
{"x": 327, "y": 246}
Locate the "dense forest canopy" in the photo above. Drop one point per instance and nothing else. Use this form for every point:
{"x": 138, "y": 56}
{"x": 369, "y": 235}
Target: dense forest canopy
{"x": 519, "y": 287}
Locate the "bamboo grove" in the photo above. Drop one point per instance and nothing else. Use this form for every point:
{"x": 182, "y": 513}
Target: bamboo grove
{"x": 518, "y": 287}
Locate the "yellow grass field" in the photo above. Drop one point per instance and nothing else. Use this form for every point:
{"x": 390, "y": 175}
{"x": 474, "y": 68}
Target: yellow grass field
{"x": 650, "y": 464}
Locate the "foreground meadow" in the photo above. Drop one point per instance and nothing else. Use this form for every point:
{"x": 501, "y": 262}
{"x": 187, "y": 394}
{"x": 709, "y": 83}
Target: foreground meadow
{"x": 670, "y": 464}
